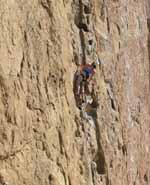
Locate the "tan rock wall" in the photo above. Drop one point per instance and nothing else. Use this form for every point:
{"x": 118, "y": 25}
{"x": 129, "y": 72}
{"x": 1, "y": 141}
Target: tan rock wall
{"x": 43, "y": 138}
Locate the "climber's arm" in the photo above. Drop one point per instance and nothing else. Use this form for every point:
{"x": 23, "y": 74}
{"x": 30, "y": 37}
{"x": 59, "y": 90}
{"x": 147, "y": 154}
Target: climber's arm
{"x": 91, "y": 76}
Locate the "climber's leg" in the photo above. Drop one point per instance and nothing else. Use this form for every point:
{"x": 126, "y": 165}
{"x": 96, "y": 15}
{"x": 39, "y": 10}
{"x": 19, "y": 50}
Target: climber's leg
{"x": 79, "y": 84}
{"x": 83, "y": 94}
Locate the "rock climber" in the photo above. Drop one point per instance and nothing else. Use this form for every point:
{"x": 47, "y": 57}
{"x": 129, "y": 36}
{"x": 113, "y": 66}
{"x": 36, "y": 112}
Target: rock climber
{"x": 86, "y": 73}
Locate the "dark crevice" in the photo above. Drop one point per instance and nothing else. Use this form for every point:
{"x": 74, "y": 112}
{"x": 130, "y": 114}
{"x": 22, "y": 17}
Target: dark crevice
{"x": 108, "y": 182}
{"x": 145, "y": 178}
{"x": 100, "y": 162}
{"x": 61, "y": 142}
{"x": 80, "y": 12}
{"x": 124, "y": 150}
{"x": 113, "y": 105}
{"x": 22, "y": 66}
{"x": 50, "y": 179}
{"x": 119, "y": 45}
{"x": 69, "y": 181}
{"x": 83, "y": 26}
{"x": 111, "y": 164}
{"x": 118, "y": 28}
{"x": 87, "y": 9}
{"x": 2, "y": 180}
{"x": 83, "y": 45}
{"x": 148, "y": 25}
{"x": 100, "y": 156}
{"x": 81, "y": 23}
{"x": 47, "y": 6}
{"x": 88, "y": 20}
{"x": 108, "y": 25}
{"x": 99, "y": 159}
{"x": 90, "y": 42}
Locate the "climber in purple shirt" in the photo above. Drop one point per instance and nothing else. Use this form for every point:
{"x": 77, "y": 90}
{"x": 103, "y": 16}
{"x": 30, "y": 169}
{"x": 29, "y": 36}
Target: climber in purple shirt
{"x": 86, "y": 73}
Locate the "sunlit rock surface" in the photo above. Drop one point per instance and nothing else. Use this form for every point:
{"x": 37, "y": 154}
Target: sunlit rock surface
{"x": 44, "y": 138}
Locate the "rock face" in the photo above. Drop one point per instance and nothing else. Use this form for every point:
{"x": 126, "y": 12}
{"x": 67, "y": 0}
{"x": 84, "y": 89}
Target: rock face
{"x": 44, "y": 138}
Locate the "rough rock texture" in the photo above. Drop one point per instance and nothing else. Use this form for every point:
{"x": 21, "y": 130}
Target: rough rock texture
{"x": 44, "y": 139}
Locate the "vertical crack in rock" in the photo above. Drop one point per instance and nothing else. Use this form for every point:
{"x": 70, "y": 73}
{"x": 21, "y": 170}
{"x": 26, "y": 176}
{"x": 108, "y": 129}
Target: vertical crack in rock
{"x": 46, "y": 4}
{"x": 148, "y": 24}
{"x": 83, "y": 46}
{"x": 89, "y": 110}
{"x": 83, "y": 27}
{"x": 82, "y": 21}
{"x": 100, "y": 157}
